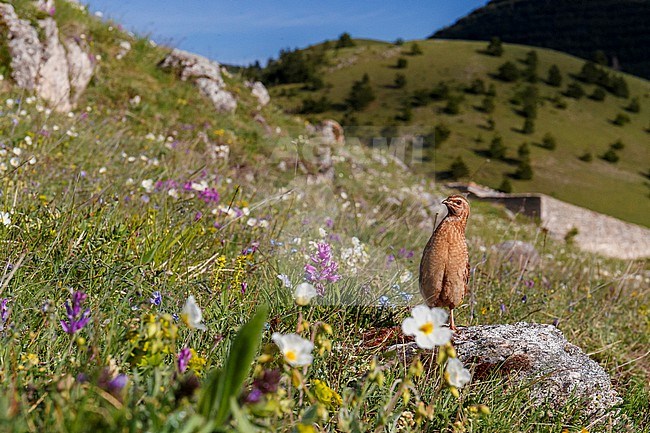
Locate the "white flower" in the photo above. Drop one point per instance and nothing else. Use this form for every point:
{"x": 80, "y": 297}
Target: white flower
{"x": 427, "y": 327}
{"x": 102, "y": 170}
{"x": 295, "y": 349}
{"x": 286, "y": 282}
{"x": 405, "y": 277}
{"x": 192, "y": 315}
{"x": 17, "y": 151}
{"x": 304, "y": 293}
{"x": 15, "y": 161}
{"x": 173, "y": 193}
{"x": 147, "y": 184}
{"x": 456, "y": 374}
{"x": 322, "y": 232}
{"x": 5, "y": 219}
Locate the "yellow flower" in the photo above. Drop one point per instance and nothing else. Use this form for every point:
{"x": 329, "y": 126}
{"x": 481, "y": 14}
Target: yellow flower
{"x": 326, "y": 395}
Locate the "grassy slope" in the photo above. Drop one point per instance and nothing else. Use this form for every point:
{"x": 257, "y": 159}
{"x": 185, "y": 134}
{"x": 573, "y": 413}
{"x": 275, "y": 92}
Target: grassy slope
{"x": 83, "y": 228}
{"x": 585, "y": 125}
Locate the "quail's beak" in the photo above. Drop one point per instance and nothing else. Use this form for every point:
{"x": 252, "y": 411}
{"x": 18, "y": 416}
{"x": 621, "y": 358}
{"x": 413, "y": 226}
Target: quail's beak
{"x": 445, "y": 202}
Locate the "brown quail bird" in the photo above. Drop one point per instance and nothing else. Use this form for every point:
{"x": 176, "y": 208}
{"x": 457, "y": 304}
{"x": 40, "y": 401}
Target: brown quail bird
{"x": 444, "y": 269}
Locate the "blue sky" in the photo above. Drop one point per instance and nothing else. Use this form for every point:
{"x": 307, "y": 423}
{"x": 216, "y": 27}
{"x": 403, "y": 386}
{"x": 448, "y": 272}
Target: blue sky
{"x": 242, "y": 31}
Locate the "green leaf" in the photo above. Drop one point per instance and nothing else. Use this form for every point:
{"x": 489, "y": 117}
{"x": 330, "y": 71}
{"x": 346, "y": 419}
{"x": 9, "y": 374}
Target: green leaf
{"x": 243, "y": 424}
{"x": 226, "y": 383}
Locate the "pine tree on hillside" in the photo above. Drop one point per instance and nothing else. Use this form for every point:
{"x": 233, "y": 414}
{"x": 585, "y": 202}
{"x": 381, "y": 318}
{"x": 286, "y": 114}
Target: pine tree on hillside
{"x": 344, "y": 41}
{"x": 554, "y": 76}
{"x": 495, "y": 47}
{"x": 509, "y": 72}
{"x": 361, "y": 94}
{"x": 458, "y": 169}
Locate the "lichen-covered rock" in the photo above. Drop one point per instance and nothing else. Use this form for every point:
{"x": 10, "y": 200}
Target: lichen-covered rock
{"x": 81, "y": 68}
{"x": 206, "y": 75}
{"x": 222, "y": 100}
{"x": 538, "y": 355}
{"x": 518, "y": 254}
{"x": 259, "y": 91}
{"x": 46, "y": 67}
{"x": 192, "y": 66}
{"x": 53, "y": 82}
{"x": 24, "y": 47}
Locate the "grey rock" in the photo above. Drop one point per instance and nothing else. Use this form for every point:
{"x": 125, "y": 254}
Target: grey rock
{"x": 206, "y": 75}
{"x": 258, "y": 90}
{"x": 534, "y": 356}
{"x": 81, "y": 68}
{"x": 192, "y": 66}
{"x": 53, "y": 83}
{"x": 521, "y": 255}
{"x": 222, "y": 100}
{"x": 24, "y": 47}
{"x": 46, "y": 67}
{"x": 538, "y": 355}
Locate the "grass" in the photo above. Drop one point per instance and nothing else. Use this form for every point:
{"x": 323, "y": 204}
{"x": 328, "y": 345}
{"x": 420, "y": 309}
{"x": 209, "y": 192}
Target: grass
{"x": 615, "y": 189}
{"x": 85, "y": 218}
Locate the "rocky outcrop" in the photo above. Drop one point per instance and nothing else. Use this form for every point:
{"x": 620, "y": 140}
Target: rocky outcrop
{"x": 53, "y": 81}
{"x": 58, "y": 74}
{"x": 536, "y": 357}
{"x": 25, "y": 48}
{"x": 592, "y": 231}
{"x": 540, "y": 356}
{"x": 206, "y": 75}
{"x": 80, "y": 69}
{"x": 258, "y": 90}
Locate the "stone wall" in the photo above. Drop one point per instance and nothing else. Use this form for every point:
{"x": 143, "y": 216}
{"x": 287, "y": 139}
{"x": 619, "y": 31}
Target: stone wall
{"x": 596, "y": 232}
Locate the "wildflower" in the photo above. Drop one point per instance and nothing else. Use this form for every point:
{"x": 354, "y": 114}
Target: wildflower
{"x": 5, "y": 219}
{"x": 304, "y": 293}
{"x": 76, "y": 319}
{"x": 267, "y": 383}
{"x": 426, "y": 324}
{"x": 355, "y": 256}
{"x": 456, "y": 375}
{"x": 322, "y": 267}
{"x": 286, "y": 282}
{"x": 147, "y": 184}
{"x": 156, "y": 298}
{"x": 326, "y": 395}
{"x": 4, "y": 313}
{"x": 192, "y": 315}
{"x": 295, "y": 349}
{"x": 184, "y": 357}
{"x": 384, "y": 301}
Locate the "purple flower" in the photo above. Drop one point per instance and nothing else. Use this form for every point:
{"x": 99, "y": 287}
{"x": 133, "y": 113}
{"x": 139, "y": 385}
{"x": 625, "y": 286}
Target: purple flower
{"x": 117, "y": 383}
{"x": 198, "y": 216}
{"x": 322, "y": 268}
{"x": 209, "y": 195}
{"x": 4, "y": 313}
{"x": 76, "y": 319}
{"x": 184, "y": 357}
{"x": 244, "y": 286}
{"x": 503, "y": 308}
{"x": 265, "y": 384}
{"x": 405, "y": 254}
{"x": 156, "y": 298}
{"x": 254, "y": 396}
{"x": 529, "y": 283}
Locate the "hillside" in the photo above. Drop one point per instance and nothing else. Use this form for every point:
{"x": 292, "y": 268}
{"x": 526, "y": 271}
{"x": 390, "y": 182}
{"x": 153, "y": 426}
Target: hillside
{"x": 447, "y": 71}
{"x": 179, "y": 254}
{"x": 619, "y": 28}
